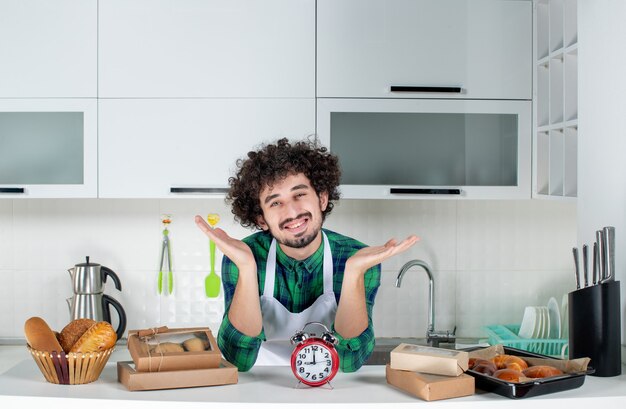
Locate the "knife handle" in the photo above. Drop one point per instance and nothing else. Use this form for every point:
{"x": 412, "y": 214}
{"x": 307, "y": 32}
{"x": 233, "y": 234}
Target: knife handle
{"x": 576, "y": 269}
{"x": 586, "y": 264}
{"x": 609, "y": 240}
{"x": 595, "y": 264}
{"x": 601, "y": 255}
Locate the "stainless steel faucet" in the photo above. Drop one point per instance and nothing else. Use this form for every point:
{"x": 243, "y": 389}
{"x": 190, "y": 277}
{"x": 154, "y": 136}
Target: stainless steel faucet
{"x": 434, "y": 338}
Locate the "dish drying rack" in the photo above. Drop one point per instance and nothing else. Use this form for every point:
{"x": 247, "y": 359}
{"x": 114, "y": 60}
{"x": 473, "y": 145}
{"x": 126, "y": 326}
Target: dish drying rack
{"x": 507, "y": 336}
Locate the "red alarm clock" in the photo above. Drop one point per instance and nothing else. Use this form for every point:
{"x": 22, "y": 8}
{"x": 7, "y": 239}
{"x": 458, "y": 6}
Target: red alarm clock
{"x": 314, "y": 360}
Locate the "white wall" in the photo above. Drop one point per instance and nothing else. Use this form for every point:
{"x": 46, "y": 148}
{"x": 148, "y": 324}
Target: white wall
{"x": 490, "y": 258}
{"x": 602, "y": 135}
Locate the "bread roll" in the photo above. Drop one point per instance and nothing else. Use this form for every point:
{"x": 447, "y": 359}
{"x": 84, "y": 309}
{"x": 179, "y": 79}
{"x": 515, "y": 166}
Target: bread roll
{"x": 542, "y": 371}
{"x": 73, "y": 331}
{"x": 471, "y": 363}
{"x": 167, "y": 347}
{"x": 194, "y": 345}
{"x": 40, "y": 337}
{"x": 499, "y": 360}
{"x": 485, "y": 367}
{"x": 515, "y": 362}
{"x": 98, "y": 337}
{"x": 509, "y": 375}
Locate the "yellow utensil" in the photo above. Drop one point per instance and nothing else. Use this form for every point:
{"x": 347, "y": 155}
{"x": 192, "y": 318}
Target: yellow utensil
{"x": 212, "y": 281}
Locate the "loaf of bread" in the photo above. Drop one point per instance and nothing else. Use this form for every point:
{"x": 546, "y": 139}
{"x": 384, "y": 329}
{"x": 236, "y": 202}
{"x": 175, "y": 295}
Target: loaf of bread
{"x": 72, "y": 332}
{"x": 98, "y": 337}
{"x": 541, "y": 371}
{"x": 40, "y": 337}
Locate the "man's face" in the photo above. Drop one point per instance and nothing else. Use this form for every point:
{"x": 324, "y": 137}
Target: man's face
{"x": 292, "y": 211}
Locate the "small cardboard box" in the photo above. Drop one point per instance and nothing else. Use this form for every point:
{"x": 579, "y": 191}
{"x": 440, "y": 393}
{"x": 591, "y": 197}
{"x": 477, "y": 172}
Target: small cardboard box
{"x": 431, "y": 387}
{"x": 146, "y": 381}
{"x": 436, "y": 361}
{"x": 142, "y": 345}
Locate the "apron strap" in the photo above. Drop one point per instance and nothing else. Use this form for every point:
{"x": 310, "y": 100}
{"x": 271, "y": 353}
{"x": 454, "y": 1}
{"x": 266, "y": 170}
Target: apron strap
{"x": 270, "y": 270}
{"x": 328, "y": 266}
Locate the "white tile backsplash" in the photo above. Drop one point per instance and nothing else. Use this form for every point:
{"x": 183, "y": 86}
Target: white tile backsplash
{"x": 489, "y": 258}
{"x": 6, "y": 234}
{"x": 516, "y": 235}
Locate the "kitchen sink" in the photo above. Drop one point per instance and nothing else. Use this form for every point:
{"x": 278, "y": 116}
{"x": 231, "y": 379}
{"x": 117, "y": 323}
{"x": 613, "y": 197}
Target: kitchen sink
{"x": 381, "y": 356}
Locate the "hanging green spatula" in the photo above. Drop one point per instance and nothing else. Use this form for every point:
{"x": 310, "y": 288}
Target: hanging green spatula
{"x": 212, "y": 282}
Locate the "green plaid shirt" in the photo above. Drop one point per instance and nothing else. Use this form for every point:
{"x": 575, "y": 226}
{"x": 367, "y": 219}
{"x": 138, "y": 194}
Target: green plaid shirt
{"x": 298, "y": 284}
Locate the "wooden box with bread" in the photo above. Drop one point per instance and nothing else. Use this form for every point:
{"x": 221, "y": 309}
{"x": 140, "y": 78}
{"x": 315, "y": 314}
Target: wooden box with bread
{"x": 75, "y": 355}
{"x": 516, "y": 373}
{"x": 171, "y": 349}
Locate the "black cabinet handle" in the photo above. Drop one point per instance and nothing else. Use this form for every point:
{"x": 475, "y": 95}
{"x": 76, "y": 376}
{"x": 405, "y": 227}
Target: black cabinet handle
{"x": 406, "y": 191}
{"x": 11, "y": 190}
{"x": 406, "y": 88}
{"x": 199, "y": 190}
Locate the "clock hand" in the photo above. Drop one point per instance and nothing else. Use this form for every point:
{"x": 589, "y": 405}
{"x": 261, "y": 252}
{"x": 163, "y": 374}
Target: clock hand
{"x": 314, "y": 358}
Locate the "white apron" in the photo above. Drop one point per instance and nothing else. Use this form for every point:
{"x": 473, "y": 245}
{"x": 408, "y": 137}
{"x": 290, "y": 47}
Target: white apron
{"x": 280, "y": 324}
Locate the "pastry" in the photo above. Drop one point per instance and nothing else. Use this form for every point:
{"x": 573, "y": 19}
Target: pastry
{"x": 167, "y": 347}
{"x": 194, "y": 345}
{"x": 73, "y": 331}
{"x": 515, "y": 362}
{"x": 509, "y": 375}
{"x": 485, "y": 367}
{"x": 98, "y": 337}
{"x": 541, "y": 371}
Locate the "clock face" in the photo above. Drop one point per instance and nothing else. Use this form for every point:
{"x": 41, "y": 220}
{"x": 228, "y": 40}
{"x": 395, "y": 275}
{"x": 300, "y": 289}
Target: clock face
{"x": 315, "y": 362}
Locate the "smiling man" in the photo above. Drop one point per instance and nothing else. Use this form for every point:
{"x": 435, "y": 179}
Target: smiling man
{"x": 293, "y": 271}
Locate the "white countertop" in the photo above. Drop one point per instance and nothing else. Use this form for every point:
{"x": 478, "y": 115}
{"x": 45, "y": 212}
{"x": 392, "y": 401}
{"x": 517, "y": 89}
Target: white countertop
{"x": 21, "y": 383}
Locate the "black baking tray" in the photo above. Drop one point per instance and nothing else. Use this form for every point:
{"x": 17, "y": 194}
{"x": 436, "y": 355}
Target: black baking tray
{"x": 532, "y": 388}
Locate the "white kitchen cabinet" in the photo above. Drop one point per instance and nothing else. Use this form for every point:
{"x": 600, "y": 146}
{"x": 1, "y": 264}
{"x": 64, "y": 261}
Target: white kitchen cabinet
{"x": 555, "y": 127}
{"x": 48, "y": 148}
{"x": 48, "y": 48}
{"x": 151, "y": 147}
{"x": 429, "y": 148}
{"x": 207, "y": 48}
{"x": 483, "y": 47}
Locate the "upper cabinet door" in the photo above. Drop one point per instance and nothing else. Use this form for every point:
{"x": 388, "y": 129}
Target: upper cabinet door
{"x": 48, "y": 48}
{"x": 483, "y": 47}
{"x": 214, "y": 48}
{"x": 165, "y": 148}
{"x": 48, "y": 147}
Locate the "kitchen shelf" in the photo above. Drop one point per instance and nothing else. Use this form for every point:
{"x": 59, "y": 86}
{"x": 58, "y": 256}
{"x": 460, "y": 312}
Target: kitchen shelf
{"x": 555, "y": 95}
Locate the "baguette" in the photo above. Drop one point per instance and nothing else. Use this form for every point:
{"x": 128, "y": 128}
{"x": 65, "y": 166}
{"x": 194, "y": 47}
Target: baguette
{"x": 40, "y": 337}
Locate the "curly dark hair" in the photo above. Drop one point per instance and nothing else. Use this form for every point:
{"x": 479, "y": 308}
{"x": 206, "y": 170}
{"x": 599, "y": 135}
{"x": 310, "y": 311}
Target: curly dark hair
{"x": 274, "y": 162}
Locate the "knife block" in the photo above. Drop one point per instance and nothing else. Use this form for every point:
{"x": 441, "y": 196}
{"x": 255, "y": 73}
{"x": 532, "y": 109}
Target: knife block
{"x": 595, "y": 327}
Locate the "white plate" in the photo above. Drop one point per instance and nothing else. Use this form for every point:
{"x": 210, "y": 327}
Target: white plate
{"x": 544, "y": 326}
{"x": 538, "y": 330}
{"x": 529, "y": 321}
{"x": 555, "y": 319}
{"x": 547, "y": 321}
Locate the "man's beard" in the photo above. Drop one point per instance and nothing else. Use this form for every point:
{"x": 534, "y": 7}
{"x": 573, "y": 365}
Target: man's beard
{"x": 299, "y": 242}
